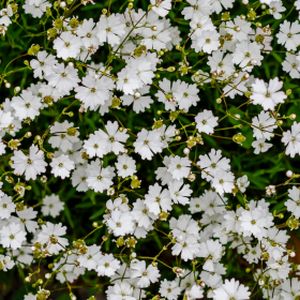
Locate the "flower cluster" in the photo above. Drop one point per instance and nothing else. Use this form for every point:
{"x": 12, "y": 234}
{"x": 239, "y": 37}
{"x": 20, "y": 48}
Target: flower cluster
{"x": 150, "y": 149}
{"x": 6, "y": 15}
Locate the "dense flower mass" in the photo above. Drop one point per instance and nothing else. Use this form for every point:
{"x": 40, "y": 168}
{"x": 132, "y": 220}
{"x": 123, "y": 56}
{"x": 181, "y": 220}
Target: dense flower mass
{"x": 150, "y": 149}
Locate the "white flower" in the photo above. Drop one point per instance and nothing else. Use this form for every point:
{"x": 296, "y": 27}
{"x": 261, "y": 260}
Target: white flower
{"x": 276, "y": 7}
{"x": 120, "y": 223}
{"x": 207, "y": 41}
{"x": 62, "y": 137}
{"x": 62, "y": 166}
{"x": 138, "y": 73}
{"x": 195, "y": 292}
{"x": 29, "y": 296}
{"x": 221, "y": 64}
{"x": 163, "y": 175}
{"x": 290, "y": 289}
{"x": 246, "y": 55}
{"x": 98, "y": 177}
{"x": 266, "y": 41}
{"x": 139, "y": 100}
{"x": 201, "y": 23}
{"x": 143, "y": 275}
{"x": 255, "y": 221}
{"x": 167, "y": 134}
{"x": 291, "y": 140}
{"x": 47, "y": 91}
{"x": 187, "y": 247}
{"x": 278, "y": 269}
{"x": 36, "y": 7}
{"x": 6, "y": 262}
{"x": 242, "y": 183}
{"x": 120, "y": 290}
{"x": 67, "y": 268}
{"x": 239, "y": 28}
{"x": 293, "y": 203}
{"x": 161, "y": 7}
{"x": 107, "y": 265}
{"x": 218, "y": 5}
{"x": 52, "y": 206}
{"x": 67, "y": 45}
{"x": 212, "y": 252}
{"x": 6, "y": 206}
{"x": 110, "y": 29}
{"x": 196, "y": 8}
{"x": 165, "y": 94}
{"x": 231, "y": 290}
{"x": 5, "y": 18}
{"x": 125, "y": 166}
{"x": 179, "y": 167}
{"x": 209, "y": 202}
{"x": 261, "y": 146}
{"x": 12, "y": 236}
{"x": 2, "y": 148}
{"x": 128, "y": 81}
{"x": 213, "y": 163}
{"x": 90, "y": 258}
{"x": 186, "y": 231}
{"x": 275, "y": 243}
{"x": 116, "y": 137}
{"x": 291, "y": 65}
{"x": 100, "y": 142}
{"x": 26, "y": 217}
{"x": 119, "y": 204}
{"x": 158, "y": 199}
{"x": 268, "y": 95}
{"x": 206, "y": 121}
{"x": 26, "y": 105}
{"x": 32, "y": 164}
{"x": 170, "y": 289}
{"x": 179, "y": 192}
{"x": 148, "y": 143}
{"x": 79, "y": 178}
{"x": 263, "y": 126}
{"x": 87, "y": 33}
{"x": 51, "y": 236}
{"x": 94, "y": 91}
{"x": 64, "y": 78}
{"x": 253, "y": 254}
{"x": 6, "y": 119}
{"x": 42, "y": 64}
{"x": 289, "y": 35}
{"x": 186, "y": 95}
{"x": 95, "y": 145}
{"x": 156, "y": 37}
{"x": 142, "y": 215}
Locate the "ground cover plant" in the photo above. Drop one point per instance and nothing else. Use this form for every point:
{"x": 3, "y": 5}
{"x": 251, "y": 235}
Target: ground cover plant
{"x": 149, "y": 149}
